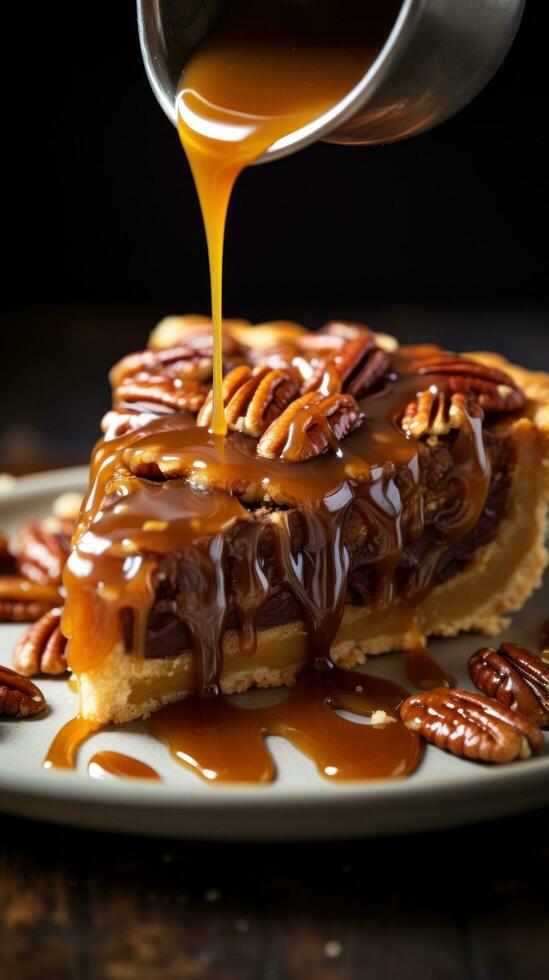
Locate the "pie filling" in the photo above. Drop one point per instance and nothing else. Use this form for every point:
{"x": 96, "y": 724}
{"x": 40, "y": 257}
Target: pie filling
{"x": 276, "y": 603}
{"x": 355, "y": 474}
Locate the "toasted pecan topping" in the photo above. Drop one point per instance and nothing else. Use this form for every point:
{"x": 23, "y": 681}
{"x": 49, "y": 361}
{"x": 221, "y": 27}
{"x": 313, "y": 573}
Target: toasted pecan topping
{"x": 517, "y": 679}
{"x": 253, "y": 398}
{"x": 471, "y": 725}
{"x": 492, "y": 389}
{"x": 154, "y": 393}
{"x": 434, "y": 413}
{"x": 192, "y": 360}
{"x": 356, "y": 368}
{"x": 311, "y": 425}
{"x": 165, "y": 380}
{"x": 41, "y": 648}
{"x": 19, "y": 697}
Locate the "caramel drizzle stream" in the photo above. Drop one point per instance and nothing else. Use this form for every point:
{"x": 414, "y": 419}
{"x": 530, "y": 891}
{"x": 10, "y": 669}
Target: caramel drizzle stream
{"x": 265, "y": 72}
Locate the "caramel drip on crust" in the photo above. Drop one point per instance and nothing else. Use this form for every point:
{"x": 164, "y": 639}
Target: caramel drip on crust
{"x": 340, "y": 749}
{"x": 317, "y": 575}
{"x": 206, "y": 514}
{"x": 250, "y": 584}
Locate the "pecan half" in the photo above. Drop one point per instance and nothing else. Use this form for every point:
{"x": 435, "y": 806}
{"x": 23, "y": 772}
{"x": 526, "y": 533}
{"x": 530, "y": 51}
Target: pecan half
{"x": 42, "y": 647}
{"x": 19, "y": 697}
{"x": 43, "y": 549}
{"x": 516, "y": 677}
{"x": 310, "y": 426}
{"x": 471, "y": 725}
{"x": 253, "y": 398}
{"x": 356, "y": 368}
{"x": 157, "y": 393}
{"x": 23, "y": 601}
{"x": 492, "y": 389}
{"x": 434, "y": 413}
{"x": 192, "y": 360}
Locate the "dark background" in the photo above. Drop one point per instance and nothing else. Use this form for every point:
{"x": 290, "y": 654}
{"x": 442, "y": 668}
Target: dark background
{"x": 440, "y": 237}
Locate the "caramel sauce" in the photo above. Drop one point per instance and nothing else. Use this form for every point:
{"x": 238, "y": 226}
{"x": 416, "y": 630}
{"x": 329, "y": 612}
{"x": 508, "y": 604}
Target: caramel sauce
{"x": 64, "y": 748}
{"x": 264, "y": 73}
{"x": 63, "y": 751}
{"x": 221, "y": 742}
{"x": 105, "y": 764}
{"x": 423, "y": 671}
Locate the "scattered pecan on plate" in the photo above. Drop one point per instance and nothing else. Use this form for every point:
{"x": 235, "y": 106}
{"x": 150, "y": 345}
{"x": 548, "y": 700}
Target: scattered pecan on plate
{"x": 19, "y": 697}
{"x": 41, "y": 648}
{"x": 471, "y": 725}
{"x": 516, "y": 678}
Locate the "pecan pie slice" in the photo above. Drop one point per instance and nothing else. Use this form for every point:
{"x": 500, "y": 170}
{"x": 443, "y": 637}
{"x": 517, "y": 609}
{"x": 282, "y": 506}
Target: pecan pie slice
{"x": 365, "y": 494}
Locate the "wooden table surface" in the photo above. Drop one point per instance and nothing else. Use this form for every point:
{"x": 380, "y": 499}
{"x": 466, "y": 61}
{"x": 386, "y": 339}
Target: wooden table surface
{"x": 467, "y": 904}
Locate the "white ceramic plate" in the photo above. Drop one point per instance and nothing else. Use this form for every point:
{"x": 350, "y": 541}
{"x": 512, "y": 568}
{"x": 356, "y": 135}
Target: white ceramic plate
{"x": 444, "y": 791}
